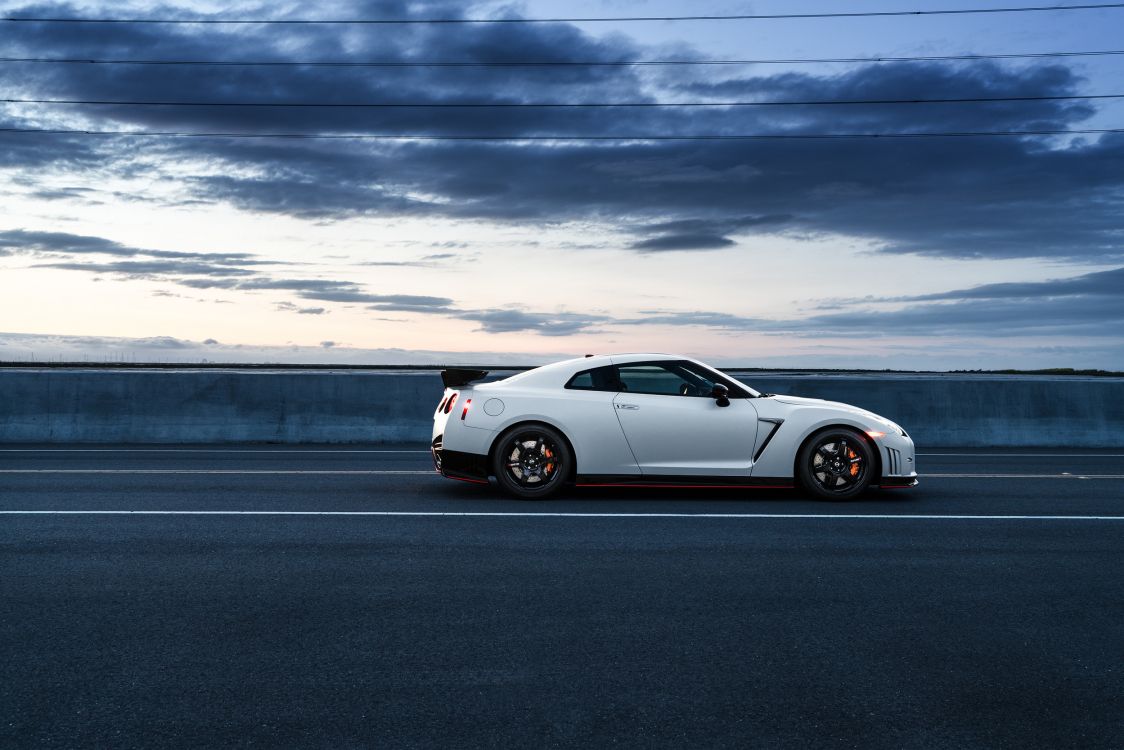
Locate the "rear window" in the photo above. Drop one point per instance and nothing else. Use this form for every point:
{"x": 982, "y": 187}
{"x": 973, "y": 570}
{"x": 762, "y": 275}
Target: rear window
{"x": 597, "y": 379}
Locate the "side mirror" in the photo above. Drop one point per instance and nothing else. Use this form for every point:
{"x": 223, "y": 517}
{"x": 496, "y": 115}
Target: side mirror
{"x": 720, "y": 394}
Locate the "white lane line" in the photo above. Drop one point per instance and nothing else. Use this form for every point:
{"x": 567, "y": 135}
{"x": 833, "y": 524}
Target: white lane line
{"x": 431, "y": 472}
{"x": 1032, "y": 455}
{"x": 519, "y": 514}
{"x": 1063, "y": 475}
{"x": 200, "y": 450}
{"x": 268, "y": 451}
{"x": 217, "y": 471}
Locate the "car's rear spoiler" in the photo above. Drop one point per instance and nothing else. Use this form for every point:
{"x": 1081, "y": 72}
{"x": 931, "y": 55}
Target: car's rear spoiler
{"x": 457, "y": 378}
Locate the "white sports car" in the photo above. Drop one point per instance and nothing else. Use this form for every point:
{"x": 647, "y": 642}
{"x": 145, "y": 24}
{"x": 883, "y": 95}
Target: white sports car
{"x": 657, "y": 420}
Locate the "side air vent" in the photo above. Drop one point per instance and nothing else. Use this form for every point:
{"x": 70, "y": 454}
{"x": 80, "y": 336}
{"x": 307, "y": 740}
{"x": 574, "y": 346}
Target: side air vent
{"x": 773, "y": 426}
{"x": 893, "y": 462}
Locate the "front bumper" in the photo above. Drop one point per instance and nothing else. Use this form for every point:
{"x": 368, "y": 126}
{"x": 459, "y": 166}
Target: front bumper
{"x": 898, "y": 462}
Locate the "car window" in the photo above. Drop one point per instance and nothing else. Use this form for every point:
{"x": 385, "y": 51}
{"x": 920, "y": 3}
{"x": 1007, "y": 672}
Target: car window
{"x": 664, "y": 378}
{"x": 597, "y": 379}
{"x": 583, "y": 381}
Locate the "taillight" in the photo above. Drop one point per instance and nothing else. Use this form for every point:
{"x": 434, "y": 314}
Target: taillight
{"x": 441, "y": 405}
{"x": 449, "y": 404}
{"x": 464, "y": 413}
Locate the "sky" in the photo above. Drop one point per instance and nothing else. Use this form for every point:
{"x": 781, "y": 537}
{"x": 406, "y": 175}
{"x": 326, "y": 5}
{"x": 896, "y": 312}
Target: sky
{"x": 905, "y": 253}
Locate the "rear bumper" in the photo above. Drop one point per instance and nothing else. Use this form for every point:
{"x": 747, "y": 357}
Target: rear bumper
{"x": 468, "y": 467}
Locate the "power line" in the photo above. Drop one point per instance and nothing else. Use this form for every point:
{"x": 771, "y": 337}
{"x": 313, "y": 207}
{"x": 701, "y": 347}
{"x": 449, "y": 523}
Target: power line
{"x": 599, "y": 19}
{"x": 548, "y": 63}
{"x": 518, "y": 138}
{"x": 558, "y": 105}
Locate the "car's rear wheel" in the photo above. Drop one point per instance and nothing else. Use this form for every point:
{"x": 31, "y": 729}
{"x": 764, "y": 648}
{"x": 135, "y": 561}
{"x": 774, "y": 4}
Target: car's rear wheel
{"x": 837, "y": 464}
{"x": 532, "y": 461}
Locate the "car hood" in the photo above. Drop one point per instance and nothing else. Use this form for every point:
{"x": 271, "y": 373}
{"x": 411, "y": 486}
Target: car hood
{"x": 834, "y": 405}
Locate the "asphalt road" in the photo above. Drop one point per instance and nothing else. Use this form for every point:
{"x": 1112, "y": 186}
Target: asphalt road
{"x": 303, "y": 597}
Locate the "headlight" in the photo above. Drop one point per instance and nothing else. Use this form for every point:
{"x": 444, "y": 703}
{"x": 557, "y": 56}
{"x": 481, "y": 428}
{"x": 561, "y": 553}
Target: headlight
{"x": 893, "y": 427}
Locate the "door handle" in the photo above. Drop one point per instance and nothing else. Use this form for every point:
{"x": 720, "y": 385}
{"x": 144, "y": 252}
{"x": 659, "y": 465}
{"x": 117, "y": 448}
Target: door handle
{"x": 629, "y": 407}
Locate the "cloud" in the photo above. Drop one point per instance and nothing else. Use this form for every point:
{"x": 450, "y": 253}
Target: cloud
{"x": 209, "y": 271}
{"x": 703, "y": 234}
{"x": 398, "y": 263}
{"x": 1097, "y": 284}
{"x": 353, "y": 294}
{"x": 546, "y": 324}
{"x": 261, "y": 283}
{"x": 65, "y": 243}
{"x": 683, "y": 242}
{"x": 71, "y": 193}
{"x": 23, "y": 240}
{"x": 1068, "y": 316}
{"x": 1088, "y": 305}
{"x": 290, "y": 307}
{"x": 151, "y": 268}
{"x": 704, "y": 318}
{"x": 1091, "y": 304}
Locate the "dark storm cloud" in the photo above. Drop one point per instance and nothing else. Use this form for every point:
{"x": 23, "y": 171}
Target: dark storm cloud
{"x": 911, "y": 81}
{"x": 967, "y": 198}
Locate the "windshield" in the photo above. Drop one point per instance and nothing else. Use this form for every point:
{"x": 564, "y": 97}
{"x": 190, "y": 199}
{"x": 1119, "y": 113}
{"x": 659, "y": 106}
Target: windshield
{"x": 723, "y": 377}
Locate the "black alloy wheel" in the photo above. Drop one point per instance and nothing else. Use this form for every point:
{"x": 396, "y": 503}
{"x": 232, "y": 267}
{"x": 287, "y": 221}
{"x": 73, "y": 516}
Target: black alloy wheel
{"x": 532, "y": 461}
{"x": 837, "y": 464}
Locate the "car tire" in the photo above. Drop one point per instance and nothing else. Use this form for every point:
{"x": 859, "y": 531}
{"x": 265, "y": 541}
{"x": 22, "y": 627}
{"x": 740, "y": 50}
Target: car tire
{"x": 836, "y": 464}
{"x": 532, "y": 461}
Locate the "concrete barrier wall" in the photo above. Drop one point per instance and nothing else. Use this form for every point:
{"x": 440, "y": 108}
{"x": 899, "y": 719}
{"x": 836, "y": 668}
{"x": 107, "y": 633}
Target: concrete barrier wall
{"x": 228, "y": 406}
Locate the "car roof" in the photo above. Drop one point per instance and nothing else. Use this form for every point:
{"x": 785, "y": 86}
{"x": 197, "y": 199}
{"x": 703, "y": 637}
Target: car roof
{"x": 558, "y": 373}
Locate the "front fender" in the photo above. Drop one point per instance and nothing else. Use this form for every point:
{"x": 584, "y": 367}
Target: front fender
{"x": 779, "y": 457}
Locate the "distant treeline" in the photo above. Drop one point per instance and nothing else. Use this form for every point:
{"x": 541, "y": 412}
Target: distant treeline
{"x": 1047, "y": 371}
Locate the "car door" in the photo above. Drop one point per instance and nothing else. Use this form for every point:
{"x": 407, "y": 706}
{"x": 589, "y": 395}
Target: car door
{"x": 585, "y": 412}
{"x": 675, "y": 427}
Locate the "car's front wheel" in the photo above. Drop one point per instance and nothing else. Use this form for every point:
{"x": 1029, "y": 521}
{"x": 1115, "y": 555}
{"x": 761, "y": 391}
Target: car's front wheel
{"x": 836, "y": 464}
{"x": 532, "y": 461}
